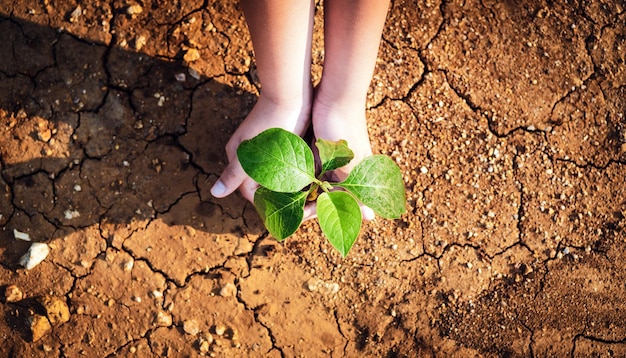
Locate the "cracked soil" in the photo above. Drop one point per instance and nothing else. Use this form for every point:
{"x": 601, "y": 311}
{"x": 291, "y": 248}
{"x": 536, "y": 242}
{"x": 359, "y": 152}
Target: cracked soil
{"x": 507, "y": 119}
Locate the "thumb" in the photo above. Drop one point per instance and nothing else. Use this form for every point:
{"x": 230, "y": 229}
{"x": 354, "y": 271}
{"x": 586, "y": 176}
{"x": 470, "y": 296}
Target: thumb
{"x": 231, "y": 179}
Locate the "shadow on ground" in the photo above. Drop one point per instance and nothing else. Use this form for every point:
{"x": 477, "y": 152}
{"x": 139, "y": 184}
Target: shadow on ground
{"x": 98, "y": 136}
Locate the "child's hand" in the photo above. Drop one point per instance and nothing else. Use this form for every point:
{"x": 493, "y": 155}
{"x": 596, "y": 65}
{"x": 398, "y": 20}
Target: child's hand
{"x": 264, "y": 115}
{"x": 333, "y": 122}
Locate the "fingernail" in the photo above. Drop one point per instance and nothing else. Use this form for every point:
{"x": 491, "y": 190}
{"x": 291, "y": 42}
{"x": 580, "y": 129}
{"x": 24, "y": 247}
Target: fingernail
{"x": 218, "y": 189}
{"x": 368, "y": 213}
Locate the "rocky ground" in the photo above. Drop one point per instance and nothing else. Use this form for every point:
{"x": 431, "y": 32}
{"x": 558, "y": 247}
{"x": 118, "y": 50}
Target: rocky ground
{"x": 506, "y": 118}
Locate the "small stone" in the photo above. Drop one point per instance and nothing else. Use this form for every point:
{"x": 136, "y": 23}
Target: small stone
{"x": 191, "y": 55}
{"x": 21, "y": 235}
{"x": 38, "y": 326}
{"x": 45, "y": 135}
{"x": 164, "y": 319}
{"x": 13, "y": 293}
{"x": 78, "y": 11}
{"x": 204, "y": 346}
{"x": 191, "y": 327}
{"x": 128, "y": 265}
{"x": 140, "y": 41}
{"x": 134, "y": 9}
{"x": 220, "y": 329}
{"x": 328, "y": 288}
{"x": 180, "y": 77}
{"x": 229, "y": 290}
{"x": 71, "y": 214}
{"x": 193, "y": 73}
{"x": 37, "y": 252}
{"x": 78, "y": 188}
{"x": 56, "y": 309}
{"x": 424, "y": 170}
{"x": 312, "y": 284}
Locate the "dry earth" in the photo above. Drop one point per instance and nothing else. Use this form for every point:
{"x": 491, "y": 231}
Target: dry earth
{"x": 506, "y": 117}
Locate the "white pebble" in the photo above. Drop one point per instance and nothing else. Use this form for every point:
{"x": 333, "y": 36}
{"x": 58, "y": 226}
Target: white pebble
{"x": 220, "y": 330}
{"x": 193, "y": 73}
{"x": 191, "y": 327}
{"x": 229, "y": 290}
{"x": 77, "y": 188}
{"x": 21, "y": 235}
{"x": 180, "y": 77}
{"x": 424, "y": 170}
{"x": 71, "y": 214}
{"x": 37, "y": 252}
{"x": 128, "y": 265}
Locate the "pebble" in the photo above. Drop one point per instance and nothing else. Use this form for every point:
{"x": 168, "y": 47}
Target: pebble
{"x": 191, "y": 55}
{"x": 134, "y": 9}
{"x": 191, "y": 327}
{"x": 140, "y": 42}
{"x": 21, "y": 235}
{"x": 180, "y": 77}
{"x": 71, "y": 214}
{"x": 193, "y": 73}
{"x": 37, "y": 252}
{"x": 329, "y": 288}
{"x": 312, "y": 284}
{"x": 38, "y": 326}
{"x": 128, "y": 265}
{"x": 220, "y": 329}
{"x": 164, "y": 319}
{"x": 229, "y": 290}
{"x": 13, "y": 293}
{"x": 45, "y": 135}
{"x": 56, "y": 309}
{"x": 204, "y": 346}
{"x": 76, "y": 14}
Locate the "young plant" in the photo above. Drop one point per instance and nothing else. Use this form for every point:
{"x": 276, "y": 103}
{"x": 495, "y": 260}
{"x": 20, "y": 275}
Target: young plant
{"x": 283, "y": 165}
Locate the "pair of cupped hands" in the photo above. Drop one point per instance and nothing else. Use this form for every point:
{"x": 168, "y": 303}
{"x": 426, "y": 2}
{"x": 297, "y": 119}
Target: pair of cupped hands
{"x": 329, "y": 123}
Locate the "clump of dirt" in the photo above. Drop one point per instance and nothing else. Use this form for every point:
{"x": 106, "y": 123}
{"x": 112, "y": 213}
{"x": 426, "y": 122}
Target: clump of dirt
{"x": 506, "y": 119}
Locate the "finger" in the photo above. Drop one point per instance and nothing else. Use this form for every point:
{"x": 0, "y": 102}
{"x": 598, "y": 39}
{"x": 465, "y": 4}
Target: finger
{"x": 231, "y": 179}
{"x": 248, "y": 188}
{"x": 367, "y": 213}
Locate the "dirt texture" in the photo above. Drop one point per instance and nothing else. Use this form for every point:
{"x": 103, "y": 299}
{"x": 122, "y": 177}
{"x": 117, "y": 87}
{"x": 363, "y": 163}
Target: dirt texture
{"x": 507, "y": 119}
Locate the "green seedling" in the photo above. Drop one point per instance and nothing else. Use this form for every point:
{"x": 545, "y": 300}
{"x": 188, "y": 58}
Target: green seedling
{"x": 283, "y": 165}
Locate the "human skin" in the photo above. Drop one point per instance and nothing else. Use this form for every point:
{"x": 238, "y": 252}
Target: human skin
{"x": 281, "y": 32}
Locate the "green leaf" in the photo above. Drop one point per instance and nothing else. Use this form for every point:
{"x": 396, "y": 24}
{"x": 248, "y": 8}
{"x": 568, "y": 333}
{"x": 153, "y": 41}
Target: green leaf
{"x": 339, "y": 216}
{"x": 278, "y": 160}
{"x": 333, "y": 155}
{"x": 377, "y": 182}
{"x": 282, "y": 213}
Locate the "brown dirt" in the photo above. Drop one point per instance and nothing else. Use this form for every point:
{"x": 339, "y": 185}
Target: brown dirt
{"x": 507, "y": 119}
